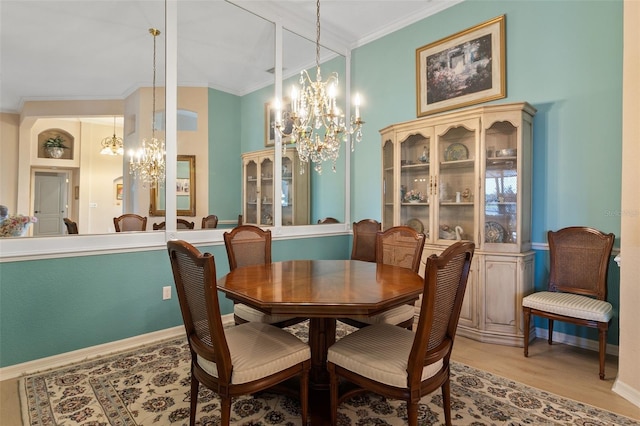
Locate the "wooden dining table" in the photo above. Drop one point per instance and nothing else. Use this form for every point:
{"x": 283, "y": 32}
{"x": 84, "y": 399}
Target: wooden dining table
{"x": 321, "y": 290}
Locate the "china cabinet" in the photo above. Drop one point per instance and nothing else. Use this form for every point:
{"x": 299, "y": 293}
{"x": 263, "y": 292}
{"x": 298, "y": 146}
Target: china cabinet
{"x": 467, "y": 175}
{"x": 258, "y": 189}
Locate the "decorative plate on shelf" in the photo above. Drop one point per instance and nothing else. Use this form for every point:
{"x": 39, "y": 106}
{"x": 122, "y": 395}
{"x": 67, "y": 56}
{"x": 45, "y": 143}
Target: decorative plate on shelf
{"x": 456, "y": 151}
{"x": 493, "y": 232}
{"x": 415, "y": 224}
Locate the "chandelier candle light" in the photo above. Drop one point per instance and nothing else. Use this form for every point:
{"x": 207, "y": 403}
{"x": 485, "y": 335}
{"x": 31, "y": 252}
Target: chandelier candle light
{"x": 313, "y": 107}
{"x": 149, "y": 161}
{"x": 112, "y": 145}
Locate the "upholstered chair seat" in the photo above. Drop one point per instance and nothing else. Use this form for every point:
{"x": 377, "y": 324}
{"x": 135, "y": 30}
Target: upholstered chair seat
{"x": 570, "y": 305}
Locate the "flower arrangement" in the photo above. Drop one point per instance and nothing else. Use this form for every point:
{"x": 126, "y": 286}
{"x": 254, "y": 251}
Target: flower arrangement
{"x": 15, "y": 226}
{"x": 414, "y": 196}
{"x": 56, "y": 142}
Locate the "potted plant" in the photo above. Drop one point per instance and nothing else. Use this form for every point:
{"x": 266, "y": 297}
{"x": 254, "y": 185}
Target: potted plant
{"x": 55, "y": 146}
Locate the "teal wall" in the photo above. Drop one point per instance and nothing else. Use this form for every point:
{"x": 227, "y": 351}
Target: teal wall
{"x": 564, "y": 58}
{"x": 53, "y": 306}
{"x": 224, "y": 143}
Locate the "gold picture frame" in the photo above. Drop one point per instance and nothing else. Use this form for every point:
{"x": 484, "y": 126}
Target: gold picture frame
{"x": 185, "y": 190}
{"x": 270, "y": 120}
{"x": 463, "y": 69}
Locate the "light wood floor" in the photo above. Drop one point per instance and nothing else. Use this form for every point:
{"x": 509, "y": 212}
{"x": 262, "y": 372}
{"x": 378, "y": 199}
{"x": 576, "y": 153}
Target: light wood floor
{"x": 564, "y": 370}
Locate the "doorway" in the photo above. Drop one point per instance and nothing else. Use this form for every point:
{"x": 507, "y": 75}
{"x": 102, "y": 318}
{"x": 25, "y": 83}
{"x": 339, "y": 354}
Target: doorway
{"x": 50, "y": 202}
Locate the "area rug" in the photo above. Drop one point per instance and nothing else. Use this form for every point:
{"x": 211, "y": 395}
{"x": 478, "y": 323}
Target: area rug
{"x": 150, "y": 386}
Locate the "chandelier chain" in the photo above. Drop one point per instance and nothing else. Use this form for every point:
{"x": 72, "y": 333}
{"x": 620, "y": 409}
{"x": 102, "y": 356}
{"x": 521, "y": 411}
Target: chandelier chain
{"x": 149, "y": 164}
{"x": 318, "y": 34}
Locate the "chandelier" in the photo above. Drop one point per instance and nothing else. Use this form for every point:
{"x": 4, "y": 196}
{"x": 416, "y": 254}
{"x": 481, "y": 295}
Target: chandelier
{"x": 314, "y": 110}
{"x": 112, "y": 145}
{"x": 148, "y": 163}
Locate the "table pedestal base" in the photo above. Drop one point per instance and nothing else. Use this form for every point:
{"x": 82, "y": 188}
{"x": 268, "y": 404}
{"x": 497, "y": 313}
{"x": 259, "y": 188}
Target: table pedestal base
{"x": 322, "y": 334}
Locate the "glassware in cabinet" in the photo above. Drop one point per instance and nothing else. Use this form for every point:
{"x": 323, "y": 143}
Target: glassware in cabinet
{"x": 415, "y": 182}
{"x": 388, "y": 184}
{"x": 456, "y": 179}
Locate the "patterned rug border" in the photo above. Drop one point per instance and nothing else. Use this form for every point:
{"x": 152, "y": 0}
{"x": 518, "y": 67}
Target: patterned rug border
{"x": 500, "y": 412}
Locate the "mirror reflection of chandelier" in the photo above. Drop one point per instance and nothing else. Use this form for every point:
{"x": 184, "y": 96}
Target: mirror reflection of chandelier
{"x": 112, "y": 145}
{"x": 313, "y": 108}
{"x": 148, "y": 163}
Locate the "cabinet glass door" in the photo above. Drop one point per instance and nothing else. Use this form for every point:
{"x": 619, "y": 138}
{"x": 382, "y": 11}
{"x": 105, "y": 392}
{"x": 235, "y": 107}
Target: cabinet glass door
{"x": 415, "y": 182}
{"x": 251, "y": 192}
{"x": 456, "y": 192}
{"x": 388, "y": 185}
{"x": 501, "y": 184}
{"x": 287, "y": 196}
{"x": 266, "y": 191}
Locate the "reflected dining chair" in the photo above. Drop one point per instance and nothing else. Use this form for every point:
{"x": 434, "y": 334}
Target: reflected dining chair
{"x": 364, "y": 240}
{"x": 180, "y": 224}
{"x": 398, "y": 363}
{"x": 232, "y": 361}
{"x": 130, "y": 222}
{"x": 328, "y": 220}
{"x": 72, "y": 227}
{"x": 398, "y": 246}
{"x": 210, "y": 222}
{"x": 251, "y": 245}
{"x": 577, "y": 287}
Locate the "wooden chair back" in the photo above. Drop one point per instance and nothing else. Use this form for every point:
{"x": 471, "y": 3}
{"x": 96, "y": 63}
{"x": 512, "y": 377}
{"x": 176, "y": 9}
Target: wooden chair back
{"x": 72, "y": 227}
{"x": 445, "y": 282}
{"x": 130, "y": 222}
{"x": 180, "y": 224}
{"x": 210, "y": 222}
{"x": 247, "y": 245}
{"x": 328, "y": 220}
{"x": 195, "y": 280}
{"x": 579, "y": 261}
{"x": 364, "y": 240}
{"x": 400, "y": 246}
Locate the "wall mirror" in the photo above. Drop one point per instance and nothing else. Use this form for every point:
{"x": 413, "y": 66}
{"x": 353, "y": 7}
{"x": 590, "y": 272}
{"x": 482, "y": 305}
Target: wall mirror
{"x": 185, "y": 190}
{"x": 100, "y": 187}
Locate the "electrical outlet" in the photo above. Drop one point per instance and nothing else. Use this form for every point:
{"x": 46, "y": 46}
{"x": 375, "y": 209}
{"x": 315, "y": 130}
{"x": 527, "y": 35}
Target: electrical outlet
{"x": 166, "y": 292}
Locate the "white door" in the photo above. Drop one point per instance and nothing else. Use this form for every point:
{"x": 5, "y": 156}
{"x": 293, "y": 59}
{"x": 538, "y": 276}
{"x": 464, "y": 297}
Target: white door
{"x": 50, "y": 203}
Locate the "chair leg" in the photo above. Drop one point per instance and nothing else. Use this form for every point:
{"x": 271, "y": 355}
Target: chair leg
{"x": 412, "y": 413}
{"x": 333, "y": 392}
{"x": 550, "y": 337}
{"x": 602, "y": 337}
{"x": 446, "y": 401}
{"x": 527, "y": 327}
{"x": 304, "y": 395}
{"x": 225, "y": 410}
{"x": 194, "y": 400}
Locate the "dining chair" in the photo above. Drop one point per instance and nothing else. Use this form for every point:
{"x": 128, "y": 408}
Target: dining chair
{"x": 398, "y": 246}
{"x": 233, "y": 361}
{"x": 130, "y": 222}
{"x": 180, "y": 224}
{"x": 364, "y": 240}
{"x": 210, "y": 222}
{"x": 328, "y": 220}
{"x": 251, "y": 245}
{"x": 577, "y": 286}
{"x": 398, "y": 363}
{"x": 72, "y": 227}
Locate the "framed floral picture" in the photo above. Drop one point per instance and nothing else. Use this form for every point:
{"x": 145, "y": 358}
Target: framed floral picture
{"x": 270, "y": 121}
{"x": 463, "y": 69}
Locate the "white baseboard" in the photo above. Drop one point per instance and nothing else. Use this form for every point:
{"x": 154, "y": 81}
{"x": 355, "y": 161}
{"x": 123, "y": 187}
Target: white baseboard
{"x": 42, "y": 364}
{"x": 627, "y": 392}
{"x": 579, "y": 342}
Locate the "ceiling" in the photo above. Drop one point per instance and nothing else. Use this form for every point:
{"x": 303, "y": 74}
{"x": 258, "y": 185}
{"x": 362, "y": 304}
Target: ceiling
{"x": 102, "y": 49}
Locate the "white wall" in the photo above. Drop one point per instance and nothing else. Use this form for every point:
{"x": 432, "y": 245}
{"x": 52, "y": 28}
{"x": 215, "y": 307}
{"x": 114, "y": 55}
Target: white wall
{"x": 628, "y": 381}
